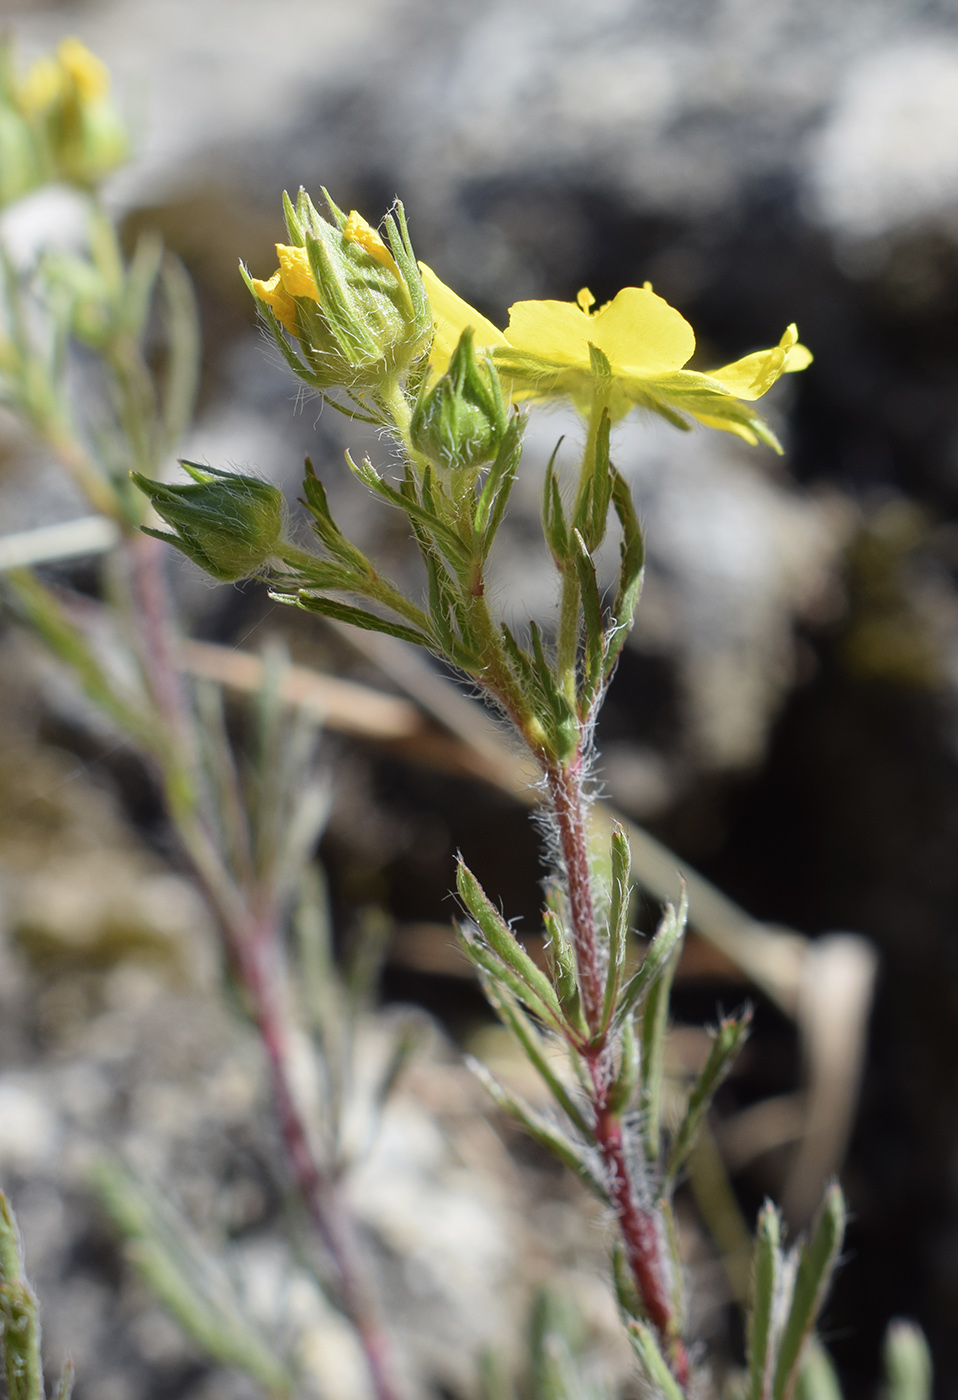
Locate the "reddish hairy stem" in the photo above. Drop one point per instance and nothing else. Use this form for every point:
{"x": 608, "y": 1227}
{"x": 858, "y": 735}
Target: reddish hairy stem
{"x": 565, "y": 789}
{"x": 321, "y": 1196}
{"x": 639, "y": 1232}
{"x": 252, "y": 943}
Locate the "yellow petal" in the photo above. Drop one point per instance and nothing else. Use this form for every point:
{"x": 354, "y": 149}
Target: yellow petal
{"x": 41, "y": 86}
{"x": 754, "y": 375}
{"x": 451, "y": 315}
{"x": 89, "y": 73}
{"x": 641, "y": 334}
{"x": 295, "y": 272}
{"x": 277, "y": 299}
{"x": 361, "y": 233}
{"x": 798, "y": 358}
{"x": 557, "y": 331}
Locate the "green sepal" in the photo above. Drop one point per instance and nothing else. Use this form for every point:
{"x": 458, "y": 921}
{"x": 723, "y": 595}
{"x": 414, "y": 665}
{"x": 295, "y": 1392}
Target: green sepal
{"x": 553, "y": 514}
{"x": 631, "y": 568}
{"x": 229, "y": 524}
{"x": 727, "y": 1041}
{"x": 578, "y": 1159}
{"x": 815, "y": 1267}
{"x": 594, "y": 659}
{"x": 495, "y": 493}
{"x": 767, "y": 1266}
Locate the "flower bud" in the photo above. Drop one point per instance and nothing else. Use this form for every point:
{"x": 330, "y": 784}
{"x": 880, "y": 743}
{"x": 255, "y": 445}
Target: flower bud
{"x": 228, "y": 524}
{"x": 461, "y": 420}
{"x": 66, "y": 102}
{"x": 355, "y": 304}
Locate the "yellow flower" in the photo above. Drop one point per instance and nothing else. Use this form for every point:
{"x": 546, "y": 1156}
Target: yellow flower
{"x": 631, "y": 352}
{"x": 293, "y": 278}
{"x": 75, "y": 128}
{"x": 355, "y": 305}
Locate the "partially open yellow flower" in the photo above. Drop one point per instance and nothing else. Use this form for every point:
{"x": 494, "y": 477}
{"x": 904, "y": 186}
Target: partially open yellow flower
{"x": 355, "y": 304}
{"x": 631, "y": 352}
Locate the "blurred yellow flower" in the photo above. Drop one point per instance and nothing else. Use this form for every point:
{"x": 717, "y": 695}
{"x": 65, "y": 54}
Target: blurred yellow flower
{"x": 631, "y": 352}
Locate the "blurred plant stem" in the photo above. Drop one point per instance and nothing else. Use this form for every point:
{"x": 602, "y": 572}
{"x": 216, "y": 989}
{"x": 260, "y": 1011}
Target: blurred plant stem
{"x": 249, "y": 889}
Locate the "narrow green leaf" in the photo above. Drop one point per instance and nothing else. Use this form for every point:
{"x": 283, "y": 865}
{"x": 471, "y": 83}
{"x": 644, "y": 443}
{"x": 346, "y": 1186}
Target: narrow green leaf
{"x": 19, "y": 1315}
{"x": 766, "y": 1287}
{"x": 367, "y": 621}
{"x": 815, "y": 1268}
{"x": 654, "y": 1364}
{"x": 317, "y": 504}
{"x": 654, "y": 964}
{"x": 183, "y": 363}
{"x": 562, "y": 965}
{"x": 727, "y": 1041}
{"x": 622, "y": 1090}
{"x": 632, "y": 551}
{"x": 502, "y": 975}
{"x": 64, "y": 1386}
{"x": 553, "y": 514}
{"x": 619, "y": 901}
{"x": 907, "y": 1361}
{"x": 40, "y": 608}
{"x": 195, "y": 1289}
{"x": 817, "y": 1378}
{"x": 655, "y": 1016}
{"x": 499, "y": 483}
{"x": 629, "y": 1298}
{"x": 501, "y": 939}
{"x": 536, "y": 1051}
{"x": 578, "y": 1159}
{"x": 445, "y": 538}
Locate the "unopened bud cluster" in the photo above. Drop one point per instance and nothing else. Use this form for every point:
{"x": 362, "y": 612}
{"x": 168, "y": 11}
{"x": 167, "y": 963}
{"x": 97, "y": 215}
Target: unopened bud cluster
{"x": 460, "y": 421}
{"x": 58, "y": 121}
{"x": 229, "y": 524}
{"x": 354, "y": 302}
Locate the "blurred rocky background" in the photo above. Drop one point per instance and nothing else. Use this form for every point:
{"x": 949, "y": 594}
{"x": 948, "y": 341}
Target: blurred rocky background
{"x": 784, "y": 716}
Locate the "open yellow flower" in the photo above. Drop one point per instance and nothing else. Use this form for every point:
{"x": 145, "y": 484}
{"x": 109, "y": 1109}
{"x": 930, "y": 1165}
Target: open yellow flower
{"x": 630, "y": 353}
